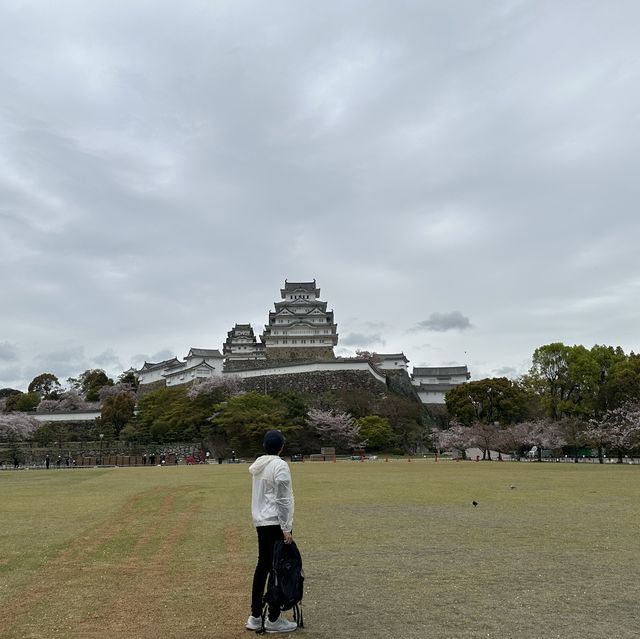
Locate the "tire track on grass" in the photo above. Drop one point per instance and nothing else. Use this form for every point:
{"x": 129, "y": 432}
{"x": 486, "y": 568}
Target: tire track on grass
{"x": 51, "y": 582}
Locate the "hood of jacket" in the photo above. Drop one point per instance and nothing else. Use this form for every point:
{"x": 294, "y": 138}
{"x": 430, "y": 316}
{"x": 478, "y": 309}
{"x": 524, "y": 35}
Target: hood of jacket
{"x": 261, "y": 463}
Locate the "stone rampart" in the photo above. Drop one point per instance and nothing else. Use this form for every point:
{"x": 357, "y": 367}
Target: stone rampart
{"x": 285, "y": 354}
{"x": 315, "y": 382}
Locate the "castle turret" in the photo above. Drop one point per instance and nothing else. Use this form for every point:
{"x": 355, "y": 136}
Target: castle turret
{"x": 241, "y": 345}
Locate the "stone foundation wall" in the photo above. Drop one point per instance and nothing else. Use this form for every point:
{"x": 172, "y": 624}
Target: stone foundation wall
{"x": 244, "y": 364}
{"x": 293, "y": 354}
{"x": 399, "y": 382}
{"x": 315, "y": 382}
{"x": 145, "y": 389}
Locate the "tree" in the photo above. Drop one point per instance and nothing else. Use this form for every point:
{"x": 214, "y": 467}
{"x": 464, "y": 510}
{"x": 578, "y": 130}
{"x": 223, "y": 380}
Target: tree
{"x": 7, "y": 392}
{"x": 376, "y": 431}
{"x": 489, "y": 400}
{"x": 543, "y": 434}
{"x": 167, "y": 414}
{"x": 47, "y": 385}
{"x": 573, "y": 432}
{"x": 129, "y": 378}
{"x": 457, "y": 438}
{"x": 90, "y": 382}
{"x": 22, "y": 402}
{"x": 66, "y": 402}
{"x": 17, "y": 426}
{"x": 622, "y": 384}
{"x": 512, "y": 439}
{"x": 118, "y": 408}
{"x": 405, "y": 417}
{"x": 241, "y": 422}
{"x": 621, "y": 427}
{"x": 357, "y": 402}
{"x": 568, "y": 379}
{"x": 218, "y": 387}
{"x": 334, "y": 428}
{"x": 485, "y": 437}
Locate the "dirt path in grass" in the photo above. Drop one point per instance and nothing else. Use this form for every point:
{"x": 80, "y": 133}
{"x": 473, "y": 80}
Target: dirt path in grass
{"x": 130, "y": 576}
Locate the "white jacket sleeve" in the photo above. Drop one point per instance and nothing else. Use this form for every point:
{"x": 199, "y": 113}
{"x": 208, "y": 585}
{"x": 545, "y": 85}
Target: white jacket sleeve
{"x": 284, "y": 497}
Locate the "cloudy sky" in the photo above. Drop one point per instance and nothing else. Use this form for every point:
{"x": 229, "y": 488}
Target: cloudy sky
{"x": 460, "y": 178}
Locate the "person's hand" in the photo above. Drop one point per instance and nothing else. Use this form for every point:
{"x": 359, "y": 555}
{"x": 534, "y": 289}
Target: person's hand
{"x": 288, "y": 537}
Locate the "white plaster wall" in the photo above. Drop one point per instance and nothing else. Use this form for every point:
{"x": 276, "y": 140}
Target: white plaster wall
{"x": 432, "y": 397}
{"x": 71, "y": 416}
{"x": 149, "y": 377}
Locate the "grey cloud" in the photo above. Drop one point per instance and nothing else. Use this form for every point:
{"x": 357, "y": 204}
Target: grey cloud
{"x": 442, "y": 322}
{"x": 360, "y": 339}
{"x": 506, "y": 371}
{"x": 10, "y": 375}
{"x": 107, "y": 359}
{"x": 8, "y": 352}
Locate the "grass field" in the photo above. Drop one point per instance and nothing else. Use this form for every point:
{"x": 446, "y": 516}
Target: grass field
{"x": 390, "y": 549}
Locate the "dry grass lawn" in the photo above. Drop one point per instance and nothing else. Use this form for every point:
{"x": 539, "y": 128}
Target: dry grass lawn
{"x": 391, "y": 550}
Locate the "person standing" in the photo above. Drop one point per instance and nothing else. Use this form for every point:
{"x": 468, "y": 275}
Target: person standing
{"x": 272, "y": 507}
{"x": 47, "y": 461}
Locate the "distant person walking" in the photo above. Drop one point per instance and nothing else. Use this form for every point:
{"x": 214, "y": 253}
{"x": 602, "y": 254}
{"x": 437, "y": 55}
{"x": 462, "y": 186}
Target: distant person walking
{"x": 272, "y": 506}
{"x": 47, "y": 461}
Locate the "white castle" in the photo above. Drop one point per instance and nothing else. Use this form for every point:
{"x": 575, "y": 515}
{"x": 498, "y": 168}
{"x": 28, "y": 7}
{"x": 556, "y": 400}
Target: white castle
{"x": 299, "y": 337}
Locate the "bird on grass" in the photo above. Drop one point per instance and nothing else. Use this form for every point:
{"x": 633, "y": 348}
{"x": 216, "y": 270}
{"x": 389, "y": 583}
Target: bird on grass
{"x": 475, "y": 503}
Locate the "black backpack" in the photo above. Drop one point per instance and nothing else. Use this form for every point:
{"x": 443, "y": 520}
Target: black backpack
{"x": 286, "y": 581}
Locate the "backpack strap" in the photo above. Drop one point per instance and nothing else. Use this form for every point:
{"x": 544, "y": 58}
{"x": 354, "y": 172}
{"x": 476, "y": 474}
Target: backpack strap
{"x": 297, "y": 616}
{"x": 262, "y": 630}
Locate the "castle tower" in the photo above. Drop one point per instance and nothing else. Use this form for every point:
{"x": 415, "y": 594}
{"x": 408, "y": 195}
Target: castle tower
{"x": 241, "y": 346}
{"x": 300, "y": 328}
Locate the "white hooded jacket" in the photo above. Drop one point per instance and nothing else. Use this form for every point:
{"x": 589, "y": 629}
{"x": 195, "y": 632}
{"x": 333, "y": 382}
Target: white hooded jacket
{"x": 272, "y": 495}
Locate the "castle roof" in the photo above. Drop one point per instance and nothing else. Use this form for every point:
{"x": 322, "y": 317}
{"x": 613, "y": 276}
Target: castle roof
{"x": 149, "y": 366}
{"x": 176, "y": 370}
{"x": 307, "y": 287}
{"x": 388, "y": 356}
{"x": 204, "y": 352}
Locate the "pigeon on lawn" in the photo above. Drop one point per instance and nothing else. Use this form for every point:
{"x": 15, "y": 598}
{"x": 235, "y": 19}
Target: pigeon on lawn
{"x": 475, "y": 503}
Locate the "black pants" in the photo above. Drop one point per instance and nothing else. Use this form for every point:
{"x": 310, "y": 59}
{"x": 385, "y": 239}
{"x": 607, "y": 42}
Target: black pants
{"x": 267, "y": 537}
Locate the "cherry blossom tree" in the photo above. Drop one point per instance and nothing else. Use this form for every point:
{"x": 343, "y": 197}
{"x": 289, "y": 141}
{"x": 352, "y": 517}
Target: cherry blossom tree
{"x": 620, "y": 428}
{"x": 333, "y": 427}
{"x": 511, "y": 439}
{"x": 69, "y": 401}
{"x": 485, "y": 437}
{"x": 543, "y": 434}
{"x": 230, "y": 385}
{"x": 17, "y": 426}
{"x": 457, "y": 438}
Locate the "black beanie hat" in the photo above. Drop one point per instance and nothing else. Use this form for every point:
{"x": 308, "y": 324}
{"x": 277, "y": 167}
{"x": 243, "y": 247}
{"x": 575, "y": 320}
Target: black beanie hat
{"x": 273, "y": 442}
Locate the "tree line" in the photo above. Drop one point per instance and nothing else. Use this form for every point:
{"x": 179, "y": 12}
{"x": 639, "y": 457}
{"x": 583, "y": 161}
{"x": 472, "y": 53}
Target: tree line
{"x": 572, "y": 398}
